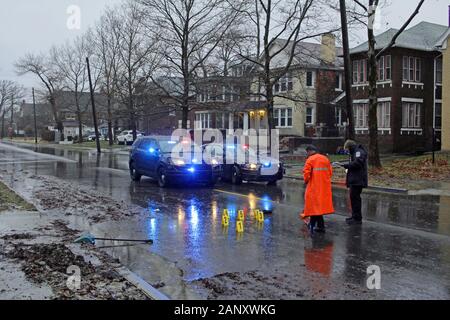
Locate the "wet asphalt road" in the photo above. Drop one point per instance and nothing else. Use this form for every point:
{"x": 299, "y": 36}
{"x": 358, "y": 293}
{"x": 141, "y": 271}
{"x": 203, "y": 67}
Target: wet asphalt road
{"x": 408, "y": 237}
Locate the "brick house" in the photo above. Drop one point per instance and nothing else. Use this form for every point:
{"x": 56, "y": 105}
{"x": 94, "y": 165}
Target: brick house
{"x": 409, "y": 89}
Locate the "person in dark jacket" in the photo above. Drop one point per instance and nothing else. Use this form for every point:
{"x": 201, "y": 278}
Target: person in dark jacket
{"x": 357, "y": 178}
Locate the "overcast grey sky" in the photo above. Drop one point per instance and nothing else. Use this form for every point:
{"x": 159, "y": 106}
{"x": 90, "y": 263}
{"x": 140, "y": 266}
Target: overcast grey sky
{"x": 36, "y": 25}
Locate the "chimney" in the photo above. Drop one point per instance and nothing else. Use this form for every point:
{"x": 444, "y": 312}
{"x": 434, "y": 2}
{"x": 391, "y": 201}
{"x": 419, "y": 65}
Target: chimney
{"x": 328, "y": 49}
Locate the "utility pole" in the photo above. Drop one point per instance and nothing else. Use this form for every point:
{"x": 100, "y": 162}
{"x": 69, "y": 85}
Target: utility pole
{"x": 35, "y": 123}
{"x": 94, "y": 113}
{"x": 348, "y": 72}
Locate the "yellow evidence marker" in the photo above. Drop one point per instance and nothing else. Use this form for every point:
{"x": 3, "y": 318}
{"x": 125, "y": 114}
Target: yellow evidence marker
{"x": 241, "y": 215}
{"x": 225, "y": 220}
{"x": 260, "y": 216}
{"x": 240, "y": 227}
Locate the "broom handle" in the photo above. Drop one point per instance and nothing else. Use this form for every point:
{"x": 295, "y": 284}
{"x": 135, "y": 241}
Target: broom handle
{"x": 125, "y": 240}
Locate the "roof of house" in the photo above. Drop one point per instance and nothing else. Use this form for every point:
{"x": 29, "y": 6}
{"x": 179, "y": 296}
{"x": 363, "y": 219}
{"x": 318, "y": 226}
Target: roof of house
{"x": 423, "y": 36}
{"x": 308, "y": 54}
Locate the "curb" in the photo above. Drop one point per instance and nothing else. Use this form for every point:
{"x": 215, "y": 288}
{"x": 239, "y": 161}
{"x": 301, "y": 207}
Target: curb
{"x": 372, "y": 188}
{"x": 141, "y": 284}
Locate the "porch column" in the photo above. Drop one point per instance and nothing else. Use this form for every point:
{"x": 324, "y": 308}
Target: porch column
{"x": 231, "y": 121}
{"x": 246, "y": 118}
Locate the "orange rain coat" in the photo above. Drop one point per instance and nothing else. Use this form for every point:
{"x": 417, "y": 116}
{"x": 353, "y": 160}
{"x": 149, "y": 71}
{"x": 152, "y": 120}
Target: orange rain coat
{"x": 318, "y": 196}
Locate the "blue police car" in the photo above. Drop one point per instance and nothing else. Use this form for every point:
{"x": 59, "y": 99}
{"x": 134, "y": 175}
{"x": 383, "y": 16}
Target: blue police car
{"x": 152, "y": 157}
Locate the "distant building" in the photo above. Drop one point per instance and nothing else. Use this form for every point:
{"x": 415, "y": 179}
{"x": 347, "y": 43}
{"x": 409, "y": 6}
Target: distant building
{"x": 444, "y": 45}
{"x": 44, "y": 117}
{"x": 409, "y": 89}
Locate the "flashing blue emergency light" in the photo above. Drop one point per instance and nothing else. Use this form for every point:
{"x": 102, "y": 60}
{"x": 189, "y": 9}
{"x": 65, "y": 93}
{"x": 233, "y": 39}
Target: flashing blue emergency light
{"x": 172, "y": 142}
{"x": 231, "y": 147}
{"x": 191, "y": 170}
{"x": 152, "y": 150}
{"x": 267, "y": 165}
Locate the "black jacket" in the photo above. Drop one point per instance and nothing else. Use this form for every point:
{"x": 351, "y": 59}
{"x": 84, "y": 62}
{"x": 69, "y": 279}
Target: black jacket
{"x": 358, "y": 175}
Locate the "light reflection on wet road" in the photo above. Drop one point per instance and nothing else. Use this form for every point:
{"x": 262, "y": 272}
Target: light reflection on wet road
{"x": 407, "y": 236}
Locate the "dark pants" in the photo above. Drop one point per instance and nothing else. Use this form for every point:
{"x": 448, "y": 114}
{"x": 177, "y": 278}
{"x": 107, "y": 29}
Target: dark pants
{"x": 355, "y": 198}
{"x": 318, "y": 221}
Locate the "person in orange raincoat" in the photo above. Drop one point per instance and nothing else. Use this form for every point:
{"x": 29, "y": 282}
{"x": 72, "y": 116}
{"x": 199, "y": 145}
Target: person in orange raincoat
{"x": 317, "y": 174}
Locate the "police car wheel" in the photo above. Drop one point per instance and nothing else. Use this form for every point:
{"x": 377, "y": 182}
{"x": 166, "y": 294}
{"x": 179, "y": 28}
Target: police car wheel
{"x": 135, "y": 176}
{"x": 162, "y": 181}
{"x": 236, "y": 178}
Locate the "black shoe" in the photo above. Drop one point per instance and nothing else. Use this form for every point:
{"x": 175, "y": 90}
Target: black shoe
{"x": 311, "y": 229}
{"x": 354, "y": 222}
{"x": 320, "y": 230}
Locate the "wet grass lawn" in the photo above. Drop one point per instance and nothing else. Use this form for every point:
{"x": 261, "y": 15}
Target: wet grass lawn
{"x": 10, "y": 200}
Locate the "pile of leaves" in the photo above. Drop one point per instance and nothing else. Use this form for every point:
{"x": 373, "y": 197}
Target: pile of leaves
{"x": 413, "y": 168}
{"x": 48, "y": 264}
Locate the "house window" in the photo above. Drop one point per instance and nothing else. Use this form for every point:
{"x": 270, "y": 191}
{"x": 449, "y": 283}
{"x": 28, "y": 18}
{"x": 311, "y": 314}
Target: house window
{"x": 363, "y": 71}
{"x": 309, "y": 115}
{"x": 405, "y": 69}
{"x": 411, "y": 115}
{"x": 359, "y": 71}
{"x": 412, "y": 69}
{"x": 418, "y": 70}
{"x": 221, "y": 93}
{"x": 385, "y": 68}
{"x": 235, "y": 95}
{"x": 201, "y": 97}
{"x": 221, "y": 120}
{"x": 338, "y": 85}
{"x": 438, "y": 116}
{"x": 283, "y": 117}
{"x": 384, "y": 115}
{"x": 439, "y": 71}
{"x": 310, "y": 79}
{"x": 203, "y": 121}
{"x": 285, "y": 84}
{"x": 388, "y": 67}
{"x": 381, "y": 69}
{"x": 355, "y": 72}
{"x": 361, "y": 114}
{"x": 238, "y": 71}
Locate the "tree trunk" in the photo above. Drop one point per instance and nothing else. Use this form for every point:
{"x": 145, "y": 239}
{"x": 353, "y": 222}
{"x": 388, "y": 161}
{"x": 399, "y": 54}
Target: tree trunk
{"x": 374, "y": 157}
{"x": 270, "y": 103}
{"x": 348, "y": 73}
{"x": 3, "y": 124}
{"x": 58, "y": 122}
{"x": 110, "y": 125}
{"x": 80, "y": 127}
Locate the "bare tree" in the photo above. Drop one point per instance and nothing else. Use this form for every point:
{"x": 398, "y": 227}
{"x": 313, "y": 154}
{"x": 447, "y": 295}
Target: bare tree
{"x": 70, "y": 61}
{"x": 11, "y": 94}
{"x": 374, "y": 55}
{"x": 191, "y": 32}
{"x": 279, "y": 27}
{"x": 5, "y": 99}
{"x": 107, "y": 53}
{"x": 137, "y": 58}
{"x": 41, "y": 66}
